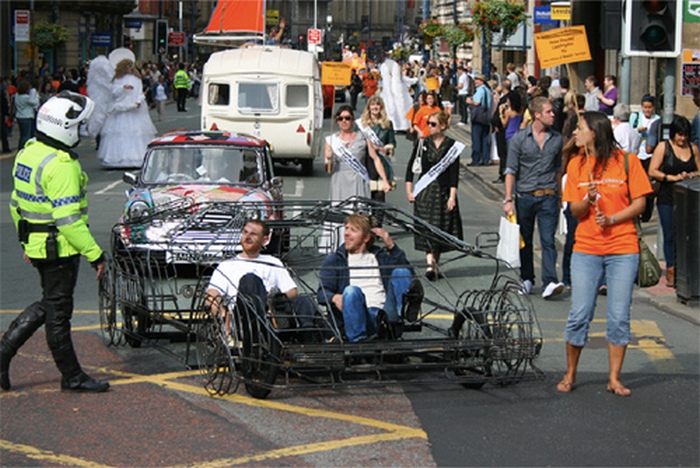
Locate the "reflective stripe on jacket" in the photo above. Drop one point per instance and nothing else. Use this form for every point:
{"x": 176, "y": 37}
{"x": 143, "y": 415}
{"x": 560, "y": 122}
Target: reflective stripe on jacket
{"x": 51, "y": 188}
{"x": 182, "y": 80}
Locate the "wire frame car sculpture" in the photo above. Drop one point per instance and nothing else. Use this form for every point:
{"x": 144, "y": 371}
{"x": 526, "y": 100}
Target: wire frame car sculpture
{"x": 471, "y": 326}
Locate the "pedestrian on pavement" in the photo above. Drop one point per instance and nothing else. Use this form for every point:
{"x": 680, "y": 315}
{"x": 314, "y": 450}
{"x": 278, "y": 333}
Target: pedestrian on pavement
{"x": 606, "y": 197}
{"x": 437, "y": 203}
{"x": 674, "y": 160}
{"x": 481, "y": 130}
{"x": 592, "y": 90}
{"x": 511, "y": 116}
{"x": 463, "y": 91}
{"x": 642, "y": 121}
{"x": 5, "y": 118}
{"x": 182, "y": 85}
{"x": 355, "y": 88}
{"x": 608, "y": 99}
{"x": 534, "y": 166}
{"x": 49, "y": 209}
{"x": 26, "y": 105}
{"x": 627, "y": 137}
{"x": 160, "y": 96}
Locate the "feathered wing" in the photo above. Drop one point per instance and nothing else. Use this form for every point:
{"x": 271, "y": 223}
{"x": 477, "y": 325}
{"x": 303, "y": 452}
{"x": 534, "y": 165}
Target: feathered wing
{"x": 99, "y": 88}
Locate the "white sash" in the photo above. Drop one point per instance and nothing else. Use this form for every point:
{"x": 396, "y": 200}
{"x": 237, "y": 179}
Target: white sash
{"x": 369, "y": 133}
{"x": 347, "y": 157}
{"x": 430, "y": 176}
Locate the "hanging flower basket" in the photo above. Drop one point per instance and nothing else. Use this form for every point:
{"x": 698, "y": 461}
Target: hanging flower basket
{"x": 457, "y": 34}
{"x": 430, "y": 28}
{"x": 499, "y": 15}
{"x": 49, "y": 34}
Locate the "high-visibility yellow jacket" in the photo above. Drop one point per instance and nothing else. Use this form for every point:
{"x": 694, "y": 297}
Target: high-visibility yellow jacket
{"x": 181, "y": 80}
{"x": 50, "y": 188}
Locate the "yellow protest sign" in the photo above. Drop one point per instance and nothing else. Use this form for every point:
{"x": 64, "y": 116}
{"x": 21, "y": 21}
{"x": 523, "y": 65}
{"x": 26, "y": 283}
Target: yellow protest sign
{"x": 335, "y": 73}
{"x": 561, "y": 46}
{"x": 432, "y": 83}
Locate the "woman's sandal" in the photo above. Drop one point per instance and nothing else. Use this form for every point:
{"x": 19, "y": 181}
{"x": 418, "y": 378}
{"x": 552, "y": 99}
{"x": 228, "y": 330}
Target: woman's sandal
{"x": 620, "y": 390}
{"x": 565, "y": 386}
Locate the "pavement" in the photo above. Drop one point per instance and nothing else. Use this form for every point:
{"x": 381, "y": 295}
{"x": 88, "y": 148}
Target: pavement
{"x": 660, "y": 296}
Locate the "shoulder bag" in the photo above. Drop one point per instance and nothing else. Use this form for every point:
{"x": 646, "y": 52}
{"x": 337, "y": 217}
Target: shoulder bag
{"x": 649, "y": 271}
{"x": 417, "y": 167}
{"x": 481, "y": 114}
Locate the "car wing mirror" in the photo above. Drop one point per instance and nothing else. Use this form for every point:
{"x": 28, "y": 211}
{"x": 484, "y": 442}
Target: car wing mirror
{"x": 130, "y": 178}
{"x": 277, "y": 182}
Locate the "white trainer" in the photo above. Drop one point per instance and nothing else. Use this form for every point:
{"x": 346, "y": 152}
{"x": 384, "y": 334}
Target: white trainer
{"x": 527, "y": 287}
{"x": 552, "y": 289}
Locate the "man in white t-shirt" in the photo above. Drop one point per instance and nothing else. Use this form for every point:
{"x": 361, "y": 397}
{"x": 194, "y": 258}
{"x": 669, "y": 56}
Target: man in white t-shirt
{"x": 367, "y": 286}
{"x": 641, "y": 122}
{"x": 625, "y": 135}
{"x": 251, "y": 276}
{"x": 462, "y": 94}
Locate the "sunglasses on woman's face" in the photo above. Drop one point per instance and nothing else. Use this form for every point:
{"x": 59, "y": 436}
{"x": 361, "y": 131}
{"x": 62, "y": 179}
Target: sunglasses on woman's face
{"x": 432, "y": 124}
{"x": 340, "y": 118}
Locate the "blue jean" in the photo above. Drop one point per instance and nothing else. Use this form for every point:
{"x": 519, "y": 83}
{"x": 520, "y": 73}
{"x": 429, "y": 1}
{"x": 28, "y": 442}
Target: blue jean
{"x": 26, "y": 131}
{"x": 360, "y": 320}
{"x": 545, "y": 210}
{"x": 666, "y": 219}
{"x": 586, "y": 273}
{"x": 481, "y": 147}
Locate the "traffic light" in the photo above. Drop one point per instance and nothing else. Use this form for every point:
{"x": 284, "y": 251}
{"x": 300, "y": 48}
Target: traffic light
{"x": 161, "y": 37}
{"x": 302, "y": 41}
{"x": 653, "y": 28}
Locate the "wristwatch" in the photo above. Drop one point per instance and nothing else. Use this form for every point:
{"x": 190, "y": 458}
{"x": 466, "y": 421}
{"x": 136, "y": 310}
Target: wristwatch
{"x": 507, "y": 200}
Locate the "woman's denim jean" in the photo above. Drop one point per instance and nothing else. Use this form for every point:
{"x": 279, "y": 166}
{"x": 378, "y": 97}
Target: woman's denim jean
{"x": 666, "y": 219}
{"x": 26, "y": 131}
{"x": 586, "y": 273}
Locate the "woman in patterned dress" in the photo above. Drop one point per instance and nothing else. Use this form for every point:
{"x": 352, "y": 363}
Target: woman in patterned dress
{"x": 437, "y": 203}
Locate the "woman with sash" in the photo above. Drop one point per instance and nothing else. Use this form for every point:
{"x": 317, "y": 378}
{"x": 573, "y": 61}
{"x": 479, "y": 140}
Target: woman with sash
{"x": 349, "y": 154}
{"x": 379, "y": 131}
{"x": 435, "y": 192}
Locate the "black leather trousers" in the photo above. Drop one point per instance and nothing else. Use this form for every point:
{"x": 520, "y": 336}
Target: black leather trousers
{"x": 55, "y": 309}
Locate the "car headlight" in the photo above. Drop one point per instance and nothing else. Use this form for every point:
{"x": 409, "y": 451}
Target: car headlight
{"x": 138, "y": 210}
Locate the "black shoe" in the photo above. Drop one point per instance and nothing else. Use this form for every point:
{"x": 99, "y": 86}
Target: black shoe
{"x": 500, "y": 180}
{"x": 472, "y": 164}
{"x": 431, "y": 275}
{"x": 412, "y": 299}
{"x": 89, "y": 385}
{"x": 5, "y": 358}
{"x": 384, "y": 331}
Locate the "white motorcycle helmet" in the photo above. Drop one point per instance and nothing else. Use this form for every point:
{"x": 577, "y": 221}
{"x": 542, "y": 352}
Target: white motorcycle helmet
{"x": 60, "y": 117}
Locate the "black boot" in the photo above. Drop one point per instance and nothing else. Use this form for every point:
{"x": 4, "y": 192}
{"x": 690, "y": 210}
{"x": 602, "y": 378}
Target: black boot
{"x": 83, "y": 384}
{"x": 21, "y": 329}
{"x": 6, "y": 356}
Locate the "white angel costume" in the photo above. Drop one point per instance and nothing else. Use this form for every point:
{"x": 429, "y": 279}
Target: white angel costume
{"x": 397, "y": 98}
{"x": 127, "y": 127}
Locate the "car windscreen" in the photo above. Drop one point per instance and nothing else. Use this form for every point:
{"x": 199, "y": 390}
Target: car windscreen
{"x": 202, "y": 165}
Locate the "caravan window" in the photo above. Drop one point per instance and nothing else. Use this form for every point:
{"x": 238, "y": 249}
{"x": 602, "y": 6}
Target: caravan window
{"x": 298, "y": 96}
{"x": 258, "y": 97}
{"x": 219, "y": 94}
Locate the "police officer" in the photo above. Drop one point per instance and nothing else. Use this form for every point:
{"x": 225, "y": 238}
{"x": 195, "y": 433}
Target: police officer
{"x": 182, "y": 85}
{"x": 49, "y": 209}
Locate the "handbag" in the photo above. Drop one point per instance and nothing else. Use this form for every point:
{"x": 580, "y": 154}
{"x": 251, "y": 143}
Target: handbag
{"x": 417, "y": 167}
{"x": 481, "y": 114}
{"x": 508, "y": 248}
{"x": 649, "y": 272}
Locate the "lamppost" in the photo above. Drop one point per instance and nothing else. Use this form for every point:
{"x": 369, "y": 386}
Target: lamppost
{"x": 327, "y": 42}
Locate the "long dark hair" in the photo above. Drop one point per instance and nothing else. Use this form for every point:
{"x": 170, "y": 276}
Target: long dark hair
{"x": 604, "y": 142}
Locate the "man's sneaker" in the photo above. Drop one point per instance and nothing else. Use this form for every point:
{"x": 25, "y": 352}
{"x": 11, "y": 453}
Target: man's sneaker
{"x": 527, "y": 287}
{"x": 412, "y": 299}
{"x": 552, "y": 289}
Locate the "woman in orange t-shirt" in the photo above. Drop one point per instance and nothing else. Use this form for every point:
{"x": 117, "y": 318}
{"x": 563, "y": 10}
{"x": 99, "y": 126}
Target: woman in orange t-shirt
{"x": 606, "y": 241}
{"x": 420, "y": 118}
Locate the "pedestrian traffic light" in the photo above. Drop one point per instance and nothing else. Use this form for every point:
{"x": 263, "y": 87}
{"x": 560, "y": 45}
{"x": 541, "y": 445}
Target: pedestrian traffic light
{"x": 653, "y": 28}
{"x": 302, "y": 41}
{"x": 161, "y": 36}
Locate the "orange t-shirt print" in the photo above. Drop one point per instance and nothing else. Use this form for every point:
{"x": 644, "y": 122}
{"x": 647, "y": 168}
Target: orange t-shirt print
{"x": 615, "y": 189}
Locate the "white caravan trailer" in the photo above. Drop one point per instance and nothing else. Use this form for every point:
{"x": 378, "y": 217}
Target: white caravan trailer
{"x": 271, "y": 93}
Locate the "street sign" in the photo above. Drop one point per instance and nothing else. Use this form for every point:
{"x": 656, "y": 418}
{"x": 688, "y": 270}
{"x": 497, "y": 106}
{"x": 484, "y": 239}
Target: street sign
{"x": 132, "y": 23}
{"x": 176, "y": 39}
{"x": 543, "y": 15}
{"x": 21, "y": 25}
{"x": 101, "y": 39}
{"x": 313, "y": 36}
{"x": 561, "y": 11}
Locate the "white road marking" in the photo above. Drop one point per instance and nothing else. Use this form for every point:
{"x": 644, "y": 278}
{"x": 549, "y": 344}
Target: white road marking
{"x": 298, "y": 189}
{"x": 107, "y": 188}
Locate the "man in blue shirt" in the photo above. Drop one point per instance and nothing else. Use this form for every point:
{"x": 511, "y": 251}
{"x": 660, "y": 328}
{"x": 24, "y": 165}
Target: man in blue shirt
{"x": 481, "y": 128}
{"x": 534, "y": 163}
